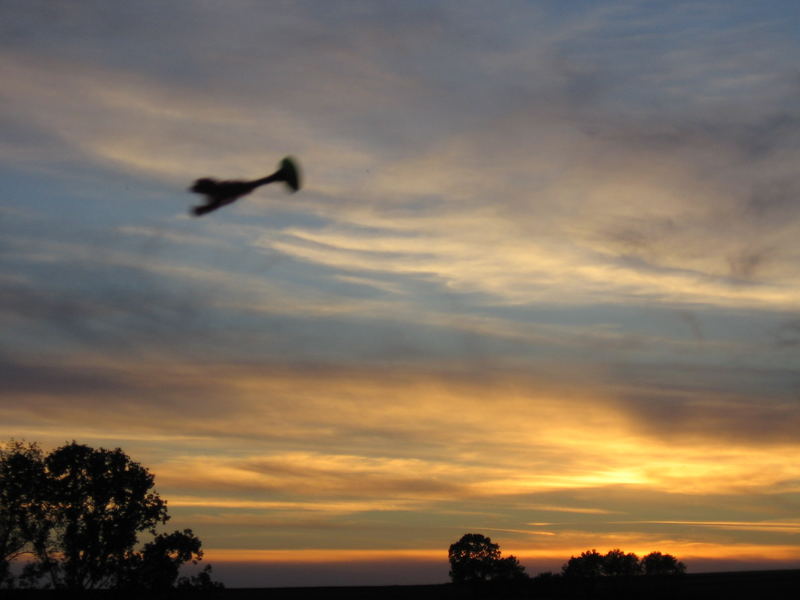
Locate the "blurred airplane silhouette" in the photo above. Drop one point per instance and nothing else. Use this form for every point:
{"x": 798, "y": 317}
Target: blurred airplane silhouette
{"x": 220, "y": 193}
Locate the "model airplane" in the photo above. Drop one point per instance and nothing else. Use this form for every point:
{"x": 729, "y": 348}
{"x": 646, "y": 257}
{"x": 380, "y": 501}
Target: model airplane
{"x": 220, "y": 193}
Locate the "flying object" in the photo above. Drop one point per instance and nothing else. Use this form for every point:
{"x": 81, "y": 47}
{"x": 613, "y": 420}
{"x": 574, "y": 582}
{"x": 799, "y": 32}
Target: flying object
{"x": 219, "y": 193}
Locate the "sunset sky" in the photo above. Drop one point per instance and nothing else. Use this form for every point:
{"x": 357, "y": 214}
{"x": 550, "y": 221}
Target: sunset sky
{"x": 542, "y": 283}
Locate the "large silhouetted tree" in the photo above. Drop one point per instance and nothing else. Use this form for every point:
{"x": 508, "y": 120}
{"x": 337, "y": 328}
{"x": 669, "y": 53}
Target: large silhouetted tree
{"x": 100, "y": 500}
{"x": 82, "y": 517}
{"x": 476, "y": 558}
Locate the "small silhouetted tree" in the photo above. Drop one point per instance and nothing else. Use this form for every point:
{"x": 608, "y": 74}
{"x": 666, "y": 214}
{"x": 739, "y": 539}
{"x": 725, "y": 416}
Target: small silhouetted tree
{"x": 509, "y": 569}
{"x": 155, "y": 568}
{"x": 201, "y": 581}
{"x": 586, "y": 566}
{"x": 476, "y": 558}
{"x": 618, "y": 564}
{"x": 656, "y": 563}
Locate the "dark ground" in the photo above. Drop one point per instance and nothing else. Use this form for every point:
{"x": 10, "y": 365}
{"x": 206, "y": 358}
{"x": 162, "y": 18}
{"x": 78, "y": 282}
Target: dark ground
{"x": 744, "y": 585}
{"x": 749, "y": 585}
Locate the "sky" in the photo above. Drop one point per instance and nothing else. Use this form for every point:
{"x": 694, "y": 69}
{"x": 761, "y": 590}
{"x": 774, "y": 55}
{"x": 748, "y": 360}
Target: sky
{"x": 542, "y": 282}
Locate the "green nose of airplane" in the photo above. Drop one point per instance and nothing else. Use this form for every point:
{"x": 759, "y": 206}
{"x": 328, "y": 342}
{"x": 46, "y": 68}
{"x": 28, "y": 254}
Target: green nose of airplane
{"x": 289, "y": 173}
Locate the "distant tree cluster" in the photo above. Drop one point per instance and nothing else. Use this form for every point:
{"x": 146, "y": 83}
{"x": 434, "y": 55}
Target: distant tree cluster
{"x": 476, "y": 558}
{"x": 77, "y": 513}
{"x": 616, "y": 563}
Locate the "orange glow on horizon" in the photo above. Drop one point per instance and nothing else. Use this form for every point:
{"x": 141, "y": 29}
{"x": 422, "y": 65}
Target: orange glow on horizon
{"x": 684, "y": 551}
{"x": 320, "y": 555}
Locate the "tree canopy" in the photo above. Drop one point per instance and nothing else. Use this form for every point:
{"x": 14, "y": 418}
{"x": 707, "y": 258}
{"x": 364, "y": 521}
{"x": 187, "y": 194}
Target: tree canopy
{"x": 656, "y": 563}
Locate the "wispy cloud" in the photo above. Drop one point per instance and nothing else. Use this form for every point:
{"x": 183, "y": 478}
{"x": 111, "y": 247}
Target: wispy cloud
{"x": 765, "y": 526}
{"x": 570, "y": 509}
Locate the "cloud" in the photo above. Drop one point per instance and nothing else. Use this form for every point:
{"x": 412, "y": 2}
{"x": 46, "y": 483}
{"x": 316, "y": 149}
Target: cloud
{"x": 319, "y": 475}
{"x": 570, "y": 509}
{"x": 767, "y": 526}
{"x": 318, "y": 430}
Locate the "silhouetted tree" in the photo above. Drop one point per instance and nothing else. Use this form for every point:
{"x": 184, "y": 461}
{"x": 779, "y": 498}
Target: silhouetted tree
{"x": 81, "y": 519}
{"x": 472, "y": 558}
{"x": 476, "y": 558}
{"x": 617, "y": 563}
{"x": 201, "y": 581}
{"x": 656, "y": 563}
{"x": 586, "y": 566}
{"x": 156, "y": 566}
{"x": 509, "y": 569}
{"x": 99, "y": 501}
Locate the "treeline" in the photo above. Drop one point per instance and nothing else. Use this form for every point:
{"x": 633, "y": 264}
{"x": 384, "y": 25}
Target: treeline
{"x": 478, "y": 570}
{"x": 74, "y": 517}
{"x": 616, "y": 563}
{"x": 475, "y": 558}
